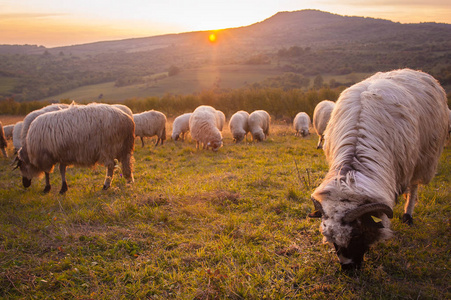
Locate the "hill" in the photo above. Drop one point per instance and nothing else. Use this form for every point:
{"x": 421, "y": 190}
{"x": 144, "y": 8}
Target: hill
{"x": 308, "y": 42}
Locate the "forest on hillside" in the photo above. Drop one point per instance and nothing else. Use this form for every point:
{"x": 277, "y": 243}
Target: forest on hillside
{"x": 34, "y": 77}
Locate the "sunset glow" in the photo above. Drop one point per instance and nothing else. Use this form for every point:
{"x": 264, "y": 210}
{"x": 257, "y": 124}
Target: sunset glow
{"x": 58, "y": 23}
{"x": 212, "y": 37}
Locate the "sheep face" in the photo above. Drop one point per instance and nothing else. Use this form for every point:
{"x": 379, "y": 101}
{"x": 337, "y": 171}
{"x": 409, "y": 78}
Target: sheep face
{"x": 27, "y": 170}
{"x": 305, "y": 132}
{"x": 214, "y": 145}
{"x": 238, "y": 137}
{"x": 176, "y": 137}
{"x": 259, "y": 136}
{"x": 353, "y": 231}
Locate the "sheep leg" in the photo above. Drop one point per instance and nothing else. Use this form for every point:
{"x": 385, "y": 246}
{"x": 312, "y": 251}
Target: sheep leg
{"x": 127, "y": 163}
{"x": 63, "y": 179}
{"x": 109, "y": 176}
{"x": 320, "y": 143}
{"x": 412, "y": 196}
{"x": 142, "y": 141}
{"x": 158, "y": 140}
{"x": 47, "y": 183}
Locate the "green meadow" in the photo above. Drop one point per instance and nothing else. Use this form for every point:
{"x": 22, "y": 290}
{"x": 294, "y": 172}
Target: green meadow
{"x": 202, "y": 225}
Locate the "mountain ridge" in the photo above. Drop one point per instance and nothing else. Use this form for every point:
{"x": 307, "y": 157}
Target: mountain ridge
{"x": 312, "y": 26}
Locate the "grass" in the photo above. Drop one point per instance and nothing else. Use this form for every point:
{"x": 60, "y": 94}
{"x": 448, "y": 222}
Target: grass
{"x": 203, "y": 225}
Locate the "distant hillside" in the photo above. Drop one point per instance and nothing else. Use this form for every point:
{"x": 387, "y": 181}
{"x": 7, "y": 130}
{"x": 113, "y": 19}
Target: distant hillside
{"x": 307, "y": 42}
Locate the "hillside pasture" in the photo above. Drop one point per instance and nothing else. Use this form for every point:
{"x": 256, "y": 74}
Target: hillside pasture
{"x": 202, "y": 225}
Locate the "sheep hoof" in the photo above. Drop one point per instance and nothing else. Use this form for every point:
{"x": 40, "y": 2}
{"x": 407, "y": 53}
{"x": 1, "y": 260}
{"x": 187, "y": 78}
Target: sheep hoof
{"x": 63, "y": 188}
{"x": 407, "y": 219}
{"x": 105, "y": 187}
{"x": 47, "y": 189}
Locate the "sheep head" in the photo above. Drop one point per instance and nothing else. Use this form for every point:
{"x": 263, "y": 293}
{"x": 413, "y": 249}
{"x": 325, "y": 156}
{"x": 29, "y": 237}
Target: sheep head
{"x": 27, "y": 170}
{"x": 352, "y": 231}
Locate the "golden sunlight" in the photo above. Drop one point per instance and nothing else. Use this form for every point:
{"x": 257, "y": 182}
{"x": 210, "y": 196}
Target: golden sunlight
{"x": 212, "y": 37}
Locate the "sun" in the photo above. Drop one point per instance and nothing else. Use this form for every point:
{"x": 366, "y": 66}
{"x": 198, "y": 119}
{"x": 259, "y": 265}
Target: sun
{"x": 212, "y": 37}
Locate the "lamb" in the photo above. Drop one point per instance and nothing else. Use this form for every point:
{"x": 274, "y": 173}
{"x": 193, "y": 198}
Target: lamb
{"x": 180, "y": 126}
{"x": 81, "y": 135}
{"x": 239, "y": 126}
{"x": 301, "y": 124}
{"x": 221, "y": 119}
{"x": 203, "y": 127}
{"x": 321, "y": 116}
{"x": 150, "y": 123}
{"x": 17, "y": 132}
{"x": 259, "y": 122}
{"x": 3, "y": 143}
{"x": 8, "y": 129}
{"x": 385, "y": 136}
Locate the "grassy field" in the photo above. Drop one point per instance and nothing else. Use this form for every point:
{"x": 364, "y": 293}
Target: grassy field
{"x": 203, "y": 225}
{"x": 189, "y": 81}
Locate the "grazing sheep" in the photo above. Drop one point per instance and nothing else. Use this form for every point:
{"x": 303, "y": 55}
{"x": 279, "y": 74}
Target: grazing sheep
{"x": 3, "y": 143}
{"x": 124, "y": 108}
{"x": 259, "y": 122}
{"x": 17, "y": 132}
{"x": 81, "y": 135}
{"x": 385, "y": 136}
{"x": 180, "y": 126}
{"x": 321, "y": 116}
{"x": 301, "y": 124}
{"x": 239, "y": 126}
{"x": 150, "y": 123}
{"x": 8, "y": 129}
{"x": 26, "y": 125}
{"x": 220, "y": 120}
{"x": 203, "y": 127}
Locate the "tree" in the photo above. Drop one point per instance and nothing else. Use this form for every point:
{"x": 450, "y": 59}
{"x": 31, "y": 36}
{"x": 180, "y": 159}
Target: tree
{"x": 318, "y": 82}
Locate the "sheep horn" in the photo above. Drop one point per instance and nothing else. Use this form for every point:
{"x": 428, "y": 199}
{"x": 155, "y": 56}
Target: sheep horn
{"x": 318, "y": 208}
{"x": 16, "y": 161}
{"x": 367, "y": 208}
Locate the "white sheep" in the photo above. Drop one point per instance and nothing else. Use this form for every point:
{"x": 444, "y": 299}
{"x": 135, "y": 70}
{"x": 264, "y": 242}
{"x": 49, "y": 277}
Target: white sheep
{"x": 385, "y": 136}
{"x": 8, "y": 129}
{"x": 81, "y": 135}
{"x": 301, "y": 124}
{"x": 321, "y": 116}
{"x": 3, "y": 143}
{"x": 221, "y": 119}
{"x": 259, "y": 123}
{"x": 17, "y": 133}
{"x": 239, "y": 125}
{"x": 150, "y": 123}
{"x": 180, "y": 126}
{"x": 203, "y": 126}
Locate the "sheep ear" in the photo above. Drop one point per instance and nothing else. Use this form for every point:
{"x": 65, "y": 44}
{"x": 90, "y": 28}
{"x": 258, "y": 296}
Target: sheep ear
{"x": 372, "y": 221}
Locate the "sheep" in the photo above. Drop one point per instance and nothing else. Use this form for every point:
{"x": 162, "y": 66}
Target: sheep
{"x": 239, "y": 126}
{"x": 259, "y": 122}
{"x": 384, "y": 137}
{"x": 81, "y": 135}
{"x": 150, "y": 123}
{"x": 449, "y": 112}
{"x": 3, "y": 143}
{"x": 301, "y": 124}
{"x": 321, "y": 116}
{"x": 8, "y": 129}
{"x": 203, "y": 127}
{"x": 180, "y": 126}
{"x": 17, "y": 132}
{"x": 221, "y": 119}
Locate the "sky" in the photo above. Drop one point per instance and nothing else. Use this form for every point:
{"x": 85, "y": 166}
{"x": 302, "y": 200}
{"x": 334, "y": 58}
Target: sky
{"x": 53, "y": 23}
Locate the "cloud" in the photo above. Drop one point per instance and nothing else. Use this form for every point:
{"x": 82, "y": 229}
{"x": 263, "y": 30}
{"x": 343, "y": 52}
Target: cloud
{"x": 12, "y": 16}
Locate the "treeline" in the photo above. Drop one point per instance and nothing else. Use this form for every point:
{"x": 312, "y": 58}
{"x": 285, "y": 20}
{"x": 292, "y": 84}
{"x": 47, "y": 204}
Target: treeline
{"x": 280, "y": 103}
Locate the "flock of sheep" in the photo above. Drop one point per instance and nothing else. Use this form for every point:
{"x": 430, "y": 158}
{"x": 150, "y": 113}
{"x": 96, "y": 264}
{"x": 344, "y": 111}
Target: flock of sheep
{"x": 381, "y": 138}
